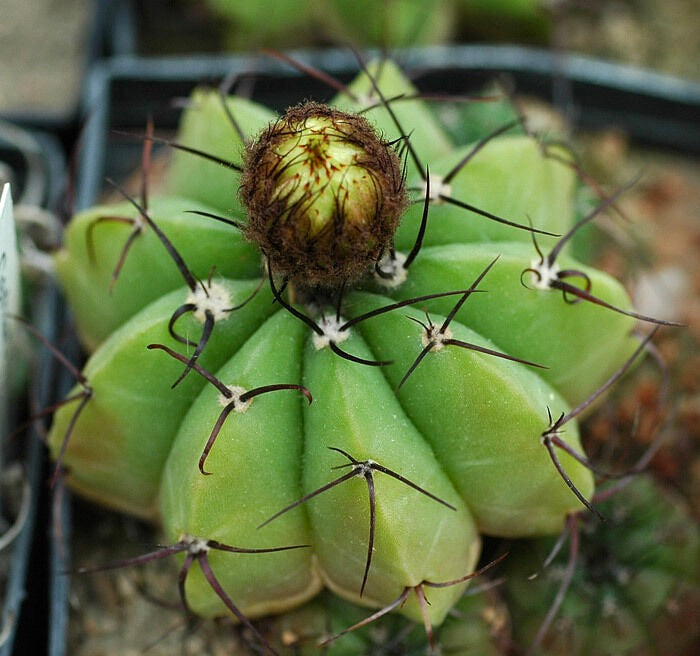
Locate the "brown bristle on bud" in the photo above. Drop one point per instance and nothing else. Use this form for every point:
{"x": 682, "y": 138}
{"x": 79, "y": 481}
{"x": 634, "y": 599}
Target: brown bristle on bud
{"x": 324, "y": 195}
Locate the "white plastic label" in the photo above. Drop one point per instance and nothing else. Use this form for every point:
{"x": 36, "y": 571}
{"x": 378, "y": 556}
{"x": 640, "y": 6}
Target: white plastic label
{"x": 9, "y": 294}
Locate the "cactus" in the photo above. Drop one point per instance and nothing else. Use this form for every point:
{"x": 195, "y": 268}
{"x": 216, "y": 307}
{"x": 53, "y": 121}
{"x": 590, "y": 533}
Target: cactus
{"x": 636, "y": 577}
{"x": 303, "y": 23}
{"x": 239, "y": 408}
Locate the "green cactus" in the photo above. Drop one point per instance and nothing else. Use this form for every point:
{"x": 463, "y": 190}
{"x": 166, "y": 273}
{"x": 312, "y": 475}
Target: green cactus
{"x": 301, "y": 23}
{"x": 430, "y": 395}
{"x": 634, "y": 573}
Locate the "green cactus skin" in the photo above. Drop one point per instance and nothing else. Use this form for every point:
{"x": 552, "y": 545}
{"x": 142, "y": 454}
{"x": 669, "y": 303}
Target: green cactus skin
{"x": 568, "y": 343}
{"x": 490, "y": 192}
{"x": 134, "y": 445}
{"x": 207, "y": 125}
{"x": 464, "y": 429}
{"x": 86, "y": 264}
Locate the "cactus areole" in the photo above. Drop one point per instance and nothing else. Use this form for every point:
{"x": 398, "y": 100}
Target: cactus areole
{"x": 324, "y": 195}
{"x": 360, "y": 421}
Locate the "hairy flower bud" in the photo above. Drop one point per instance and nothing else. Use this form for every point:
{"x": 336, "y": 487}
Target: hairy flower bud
{"x": 324, "y": 195}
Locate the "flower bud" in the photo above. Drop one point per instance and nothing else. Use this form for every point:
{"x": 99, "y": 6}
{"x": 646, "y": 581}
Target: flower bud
{"x": 324, "y": 195}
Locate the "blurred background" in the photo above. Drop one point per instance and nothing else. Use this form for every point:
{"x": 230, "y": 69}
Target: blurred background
{"x": 46, "y": 45}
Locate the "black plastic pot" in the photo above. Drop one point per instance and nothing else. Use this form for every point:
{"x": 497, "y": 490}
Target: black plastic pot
{"x": 123, "y": 91}
{"x": 34, "y": 162}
